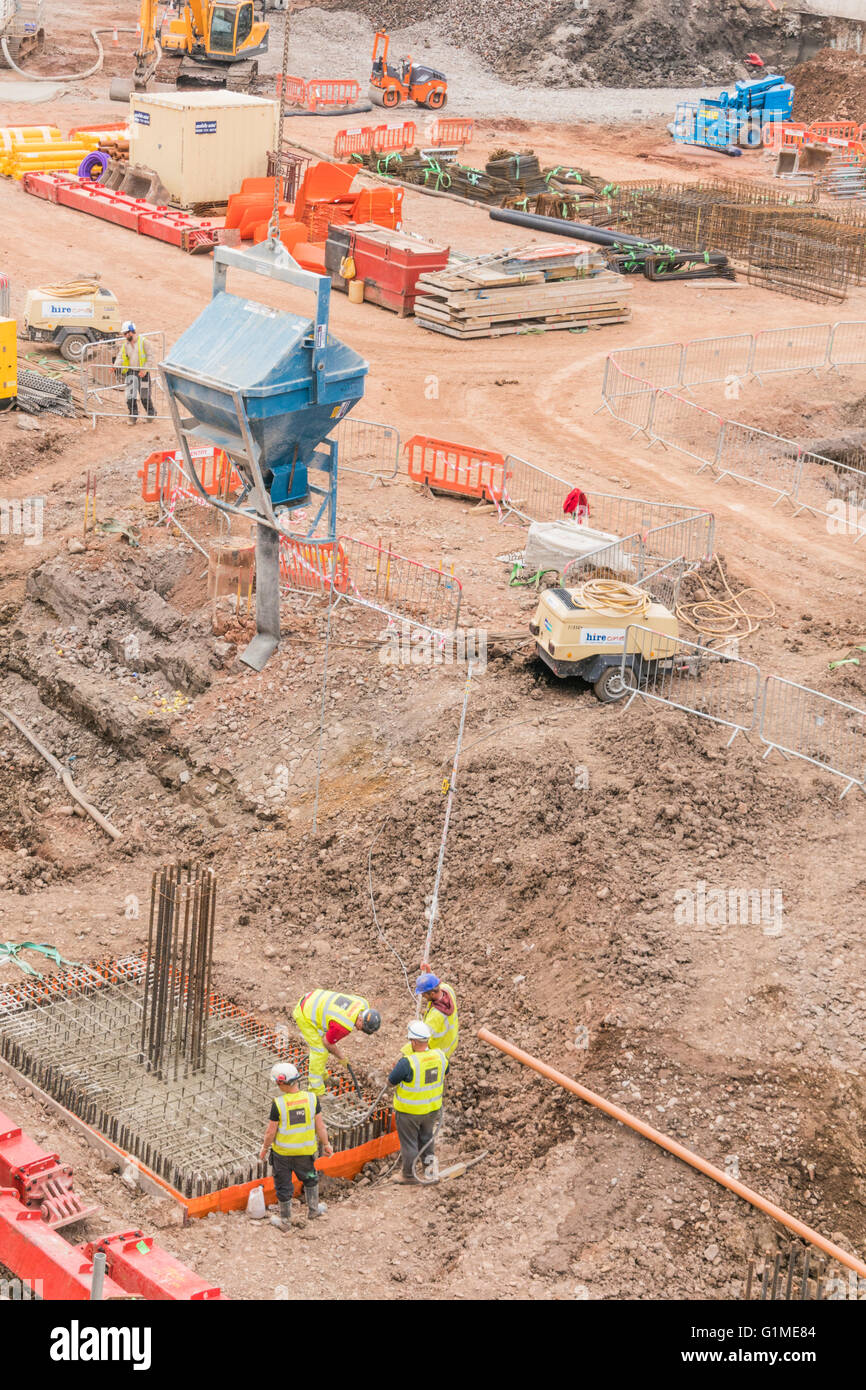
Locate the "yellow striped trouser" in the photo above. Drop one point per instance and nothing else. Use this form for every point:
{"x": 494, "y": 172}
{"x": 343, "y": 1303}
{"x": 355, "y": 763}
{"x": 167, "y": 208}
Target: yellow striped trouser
{"x": 318, "y": 1053}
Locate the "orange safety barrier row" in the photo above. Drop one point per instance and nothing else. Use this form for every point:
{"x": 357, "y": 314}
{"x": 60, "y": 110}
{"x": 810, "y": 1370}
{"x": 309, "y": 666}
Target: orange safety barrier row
{"x": 158, "y": 473}
{"x": 456, "y": 468}
{"x": 308, "y": 565}
{"x": 784, "y": 134}
{"x": 452, "y": 130}
{"x": 363, "y": 139}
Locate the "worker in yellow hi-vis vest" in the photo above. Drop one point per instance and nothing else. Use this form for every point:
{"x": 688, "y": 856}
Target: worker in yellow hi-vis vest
{"x": 295, "y": 1130}
{"x": 325, "y": 1017}
{"x": 439, "y": 1011}
{"x": 132, "y": 361}
{"x": 418, "y": 1080}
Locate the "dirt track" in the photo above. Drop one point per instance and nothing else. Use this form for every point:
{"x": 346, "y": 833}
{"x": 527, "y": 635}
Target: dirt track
{"x": 558, "y": 903}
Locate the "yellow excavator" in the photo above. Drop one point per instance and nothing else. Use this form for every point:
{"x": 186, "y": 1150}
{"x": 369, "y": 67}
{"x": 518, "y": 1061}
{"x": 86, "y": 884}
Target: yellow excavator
{"x": 217, "y": 40}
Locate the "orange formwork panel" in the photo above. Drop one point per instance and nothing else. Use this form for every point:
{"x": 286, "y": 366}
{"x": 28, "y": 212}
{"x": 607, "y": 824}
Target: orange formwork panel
{"x": 456, "y": 468}
{"x": 340, "y": 1165}
{"x": 290, "y": 232}
{"x": 252, "y": 216}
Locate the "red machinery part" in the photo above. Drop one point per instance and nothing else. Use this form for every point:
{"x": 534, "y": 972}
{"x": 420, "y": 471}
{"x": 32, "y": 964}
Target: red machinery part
{"x": 42, "y": 1182}
{"x": 140, "y": 1266}
{"x": 137, "y": 215}
{"x": 42, "y": 1259}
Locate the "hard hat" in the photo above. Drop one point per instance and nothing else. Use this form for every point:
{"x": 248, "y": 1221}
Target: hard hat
{"x": 425, "y": 983}
{"x": 285, "y": 1072}
{"x": 128, "y": 327}
{"x": 418, "y": 1031}
{"x": 369, "y": 1021}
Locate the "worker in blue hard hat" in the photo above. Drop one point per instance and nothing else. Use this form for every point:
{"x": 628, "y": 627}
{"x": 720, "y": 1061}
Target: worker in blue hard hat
{"x": 439, "y": 1010}
{"x": 134, "y": 365}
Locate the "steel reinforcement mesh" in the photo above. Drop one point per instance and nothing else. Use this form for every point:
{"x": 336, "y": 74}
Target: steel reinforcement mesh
{"x": 77, "y": 1035}
{"x": 795, "y": 245}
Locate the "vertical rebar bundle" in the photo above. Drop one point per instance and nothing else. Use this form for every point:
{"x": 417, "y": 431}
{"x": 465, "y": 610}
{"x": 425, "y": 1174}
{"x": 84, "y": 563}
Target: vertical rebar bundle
{"x": 178, "y": 971}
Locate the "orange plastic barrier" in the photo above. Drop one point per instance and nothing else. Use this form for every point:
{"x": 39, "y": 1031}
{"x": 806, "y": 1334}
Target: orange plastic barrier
{"x": 452, "y": 130}
{"x": 290, "y": 232}
{"x": 332, "y": 91}
{"x": 252, "y": 216}
{"x": 159, "y": 478}
{"x": 784, "y": 134}
{"x": 296, "y": 90}
{"x": 307, "y": 565}
{"x": 394, "y": 137}
{"x": 456, "y": 468}
{"x": 834, "y": 130}
{"x": 354, "y": 141}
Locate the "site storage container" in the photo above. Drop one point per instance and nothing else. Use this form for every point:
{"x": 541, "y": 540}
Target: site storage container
{"x": 201, "y": 144}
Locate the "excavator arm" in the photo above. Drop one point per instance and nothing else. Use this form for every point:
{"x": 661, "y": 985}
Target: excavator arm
{"x": 149, "y": 53}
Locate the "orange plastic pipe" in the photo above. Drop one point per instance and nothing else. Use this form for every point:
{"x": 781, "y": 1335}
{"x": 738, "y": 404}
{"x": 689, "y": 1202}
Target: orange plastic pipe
{"x": 678, "y": 1151}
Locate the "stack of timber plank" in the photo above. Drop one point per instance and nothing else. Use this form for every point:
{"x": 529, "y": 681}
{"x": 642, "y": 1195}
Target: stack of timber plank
{"x": 534, "y": 290}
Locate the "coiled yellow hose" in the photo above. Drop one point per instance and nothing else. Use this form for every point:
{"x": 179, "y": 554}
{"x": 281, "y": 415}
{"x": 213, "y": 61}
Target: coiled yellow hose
{"x": 613, "y": 596}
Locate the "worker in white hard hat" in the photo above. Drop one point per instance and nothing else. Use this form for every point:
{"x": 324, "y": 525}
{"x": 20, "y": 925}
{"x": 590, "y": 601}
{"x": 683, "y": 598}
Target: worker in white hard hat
{"x": 132, "y": 361}
{"x": 295, "y": 1130}
{"x": 418, "y": 1080}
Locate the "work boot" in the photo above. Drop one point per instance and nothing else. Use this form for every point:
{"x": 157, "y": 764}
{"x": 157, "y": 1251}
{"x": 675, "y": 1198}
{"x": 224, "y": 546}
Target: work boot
{"x": 284, "y": 1220}
{"x": 315, "y": 1208}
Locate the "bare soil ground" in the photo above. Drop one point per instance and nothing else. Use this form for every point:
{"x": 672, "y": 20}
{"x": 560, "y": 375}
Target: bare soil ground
{"x": 558, "y": 906}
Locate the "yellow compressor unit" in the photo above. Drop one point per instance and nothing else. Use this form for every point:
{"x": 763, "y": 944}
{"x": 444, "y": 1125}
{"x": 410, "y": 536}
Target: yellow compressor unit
{"x": 582, "y": 632}
{"x": 8, "y": 364}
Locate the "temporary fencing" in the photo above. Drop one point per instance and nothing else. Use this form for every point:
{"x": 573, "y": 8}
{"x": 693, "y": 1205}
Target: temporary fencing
{"x": 650, "y": 404}
{"x": 646, "y": 553}
{"x": 462, "y": 469}
{"x": 328, "y": 91}
{"x": 696, "y": 679}
{"x": 375, "y": 577}
{"x": 368, "y": 447}
{"x": 805, "y": 724}
{"x": 363, "y": 139}
{"x": 103, "y": 384}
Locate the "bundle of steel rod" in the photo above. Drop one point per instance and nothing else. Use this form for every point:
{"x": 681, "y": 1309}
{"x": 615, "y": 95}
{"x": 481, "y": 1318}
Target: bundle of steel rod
{"x": 177, "y": 978}
{"x": 805, "y": 267}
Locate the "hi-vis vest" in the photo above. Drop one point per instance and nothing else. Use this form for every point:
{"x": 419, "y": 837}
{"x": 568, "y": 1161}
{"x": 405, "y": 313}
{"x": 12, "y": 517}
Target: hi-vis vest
{"x": 444, "y": 1027}
{"x": 325, "y": 1006}
{"x": 297, "y": 1131}
{"x": 142, "y": 353}
{"x": 424, "y": 1092}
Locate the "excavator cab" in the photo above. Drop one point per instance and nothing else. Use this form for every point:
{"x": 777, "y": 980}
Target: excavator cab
{"x": 234, "y": 33}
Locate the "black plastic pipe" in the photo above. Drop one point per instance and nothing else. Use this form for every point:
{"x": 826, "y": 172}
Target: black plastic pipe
{"x": 582, "y": 231}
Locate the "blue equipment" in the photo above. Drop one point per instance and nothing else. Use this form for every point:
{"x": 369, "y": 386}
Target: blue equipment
{"x": 266, "y": 387}
{"x": 719, "y": 122}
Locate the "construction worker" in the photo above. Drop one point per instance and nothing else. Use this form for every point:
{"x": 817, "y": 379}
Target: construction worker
{"x": 324, "y": 1017}
{"x": 135, "y": 369}
{"x": 418, "y": 1079}
{"x": 295, "y": 1130}
{"x": 440, "y": 1011}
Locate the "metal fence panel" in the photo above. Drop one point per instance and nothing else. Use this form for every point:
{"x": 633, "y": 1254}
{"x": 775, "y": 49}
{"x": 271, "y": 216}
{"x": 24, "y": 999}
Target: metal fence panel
{"x": 368, "y": 447}
{"x": 664, "y": 583}
{"x": 628, "y": 398}
{"x": 716, "y": 359}
{"x": 848, "y": 344}
{"x": 103, "y": 386}
{"x": 689, "y": 539}
{"x": 791, "y": 349}
{"x": 661, "y": 364}
{"x": 393, "y": 584}
{"x": 533, "y": 493}
{"x": 815, "y": 727}
{"x": 698, "y": 680}
{"x": 765, "y": 460}
{"x": 623, "y": 559}
{"x": 684, "y": 426}
{"x": 622, "y": 515}
{"x": 834, "y": 490}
